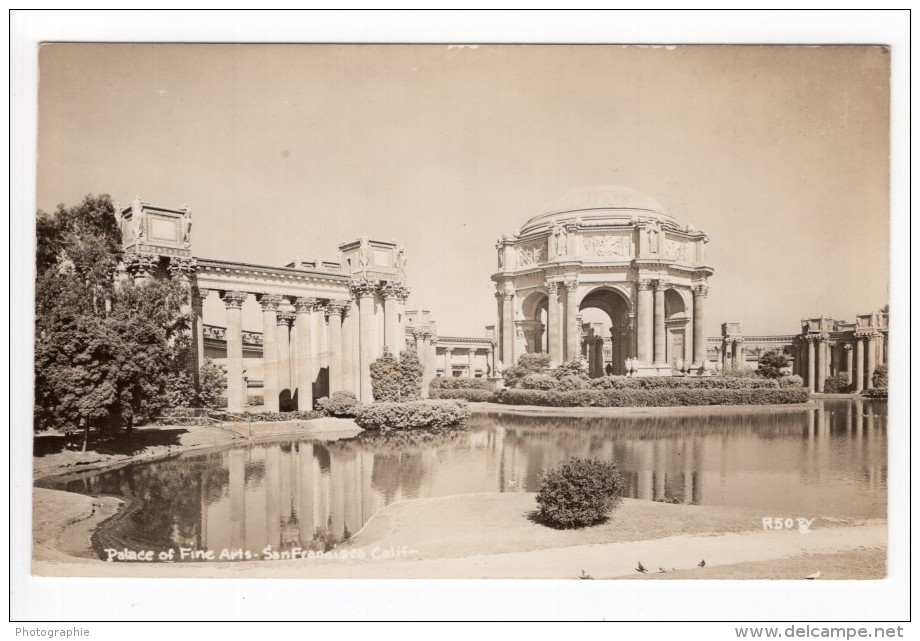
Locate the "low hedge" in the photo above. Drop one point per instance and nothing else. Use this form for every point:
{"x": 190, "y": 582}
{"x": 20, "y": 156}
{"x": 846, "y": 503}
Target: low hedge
{"x": 412, "y": 415}
{"x": 471, "y": 395}
{"x": 653, "y": 397}
{"x": 694, "y": 382}
{"x": 461, "y": 382}
{"x": 270, "y": 417}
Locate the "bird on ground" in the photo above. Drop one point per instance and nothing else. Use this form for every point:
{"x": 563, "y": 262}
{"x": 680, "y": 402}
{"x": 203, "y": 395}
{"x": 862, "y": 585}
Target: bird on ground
{"x": 702, "y": 563}
{"x": 641, "y": 568}
{"x": 816, "y": 575}
{"x": 662, "y": 570}
{"x": 585, "y": 575}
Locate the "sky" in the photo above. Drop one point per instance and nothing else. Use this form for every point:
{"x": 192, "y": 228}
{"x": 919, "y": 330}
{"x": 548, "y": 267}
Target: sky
{"x": 284, "y": 151}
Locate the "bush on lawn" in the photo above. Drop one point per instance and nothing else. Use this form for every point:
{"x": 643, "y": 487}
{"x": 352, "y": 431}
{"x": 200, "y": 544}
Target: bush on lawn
{"x": 270, "y": 417}
{"x": 578, "y": 492}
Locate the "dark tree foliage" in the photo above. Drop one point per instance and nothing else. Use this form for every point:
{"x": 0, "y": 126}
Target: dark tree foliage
{"x": 771, "y": 364}
{"x": 579, "y": 492}
{"x": 104, "y": 350}
{"x": 410, "y": 372}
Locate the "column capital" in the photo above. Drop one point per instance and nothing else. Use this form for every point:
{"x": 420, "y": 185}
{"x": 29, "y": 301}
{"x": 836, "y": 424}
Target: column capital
{"x": 390, "y": 290}
{"x": 305, "y": 304}
{"x": 662, "y": 284}
{"x": 338, "y": 307}
{"x": 848, "y": 347}
{"x": 448, "y": 350}
{"x": 285, "y": 318}
{"x": 571, "y": 284}
{"x": 552, "y": 286}
{"x": 363, "y": 287}
{"x": 269, "y": 302}
{"x": 644, "y": 284}
{"x": 180, "y": 266}
{"x": 421, "y": 334}
{"x": 700, "y": 290}
{"x": 234, "y": 299}
{"x": 141, "y": 263}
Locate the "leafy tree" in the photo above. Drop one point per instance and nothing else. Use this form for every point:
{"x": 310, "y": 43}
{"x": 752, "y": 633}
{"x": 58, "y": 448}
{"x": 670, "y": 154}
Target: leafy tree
{"x": 410, "y": 376}
{"x": 771, "y": 364}
{"x": 211, "y": 382}
{"x": 104, "y": 349}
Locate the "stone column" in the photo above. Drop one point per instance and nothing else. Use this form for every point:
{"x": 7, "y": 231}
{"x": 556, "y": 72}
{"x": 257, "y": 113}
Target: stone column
{"x": 389, "y": 291}
{"x": 233, "y": 301}
{"x": 598, "y": 356}
{"x": 448, "y": 369}
{"x": 848, "y": 348}
{"x": 270, "y": 378}
{"x": 821, "y": 373}
{"x": 199, "y": 296}
{"x": 348, "y": 348}
{"x": 811, "y": 364}
{"x": 508, "y": 333}
{"x": 284, "y": 320}
{"x": 554, "y": 338}
{"x": 740, "y": 361}
{"x": 303, "y": 308}
{"x": 364, "y": 292}
{"x": 700, "y": 291}
{"x": 871, "y": 347}
{"x": 660, "y": 336}
{"x": 572, "y": 334}
{"x": 336, "y": 352}
{"x": 538, "y": 333}
{"x": 470, "y": 373}
{"x": 860, "y": 364}
{"x": 645, "y": 320}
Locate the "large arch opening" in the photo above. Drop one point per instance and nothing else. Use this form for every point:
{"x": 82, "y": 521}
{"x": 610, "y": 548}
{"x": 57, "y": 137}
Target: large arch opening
{"x": 606, "y": 336}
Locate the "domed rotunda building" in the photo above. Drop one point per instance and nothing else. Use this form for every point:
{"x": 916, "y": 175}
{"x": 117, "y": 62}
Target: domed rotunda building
{"x": 617, "y": 250}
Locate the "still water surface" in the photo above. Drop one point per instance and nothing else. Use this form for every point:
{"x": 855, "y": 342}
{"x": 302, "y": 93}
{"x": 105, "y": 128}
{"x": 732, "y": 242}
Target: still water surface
{"x": 828, "y": 461}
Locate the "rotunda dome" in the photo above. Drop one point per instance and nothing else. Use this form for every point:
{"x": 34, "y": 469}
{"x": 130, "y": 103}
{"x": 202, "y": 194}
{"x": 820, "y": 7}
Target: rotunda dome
{"x": 599, "y": 204}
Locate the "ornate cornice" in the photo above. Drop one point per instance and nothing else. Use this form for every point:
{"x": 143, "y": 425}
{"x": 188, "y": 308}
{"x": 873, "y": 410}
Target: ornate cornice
{"x": 234, "y": 299}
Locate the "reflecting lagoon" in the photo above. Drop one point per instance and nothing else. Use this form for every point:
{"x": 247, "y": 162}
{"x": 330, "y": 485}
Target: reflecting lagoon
{"x": 829, "y": 460}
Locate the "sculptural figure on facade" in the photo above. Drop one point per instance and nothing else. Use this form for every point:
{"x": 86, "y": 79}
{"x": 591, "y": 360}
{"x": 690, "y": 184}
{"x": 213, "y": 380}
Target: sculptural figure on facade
{"x": 137, "y": 216}
{"x": 186, "y": 226}
{"x": 364, "y": 253}
{"x": 401, "y": 264}
{"x": 561, "y": 238}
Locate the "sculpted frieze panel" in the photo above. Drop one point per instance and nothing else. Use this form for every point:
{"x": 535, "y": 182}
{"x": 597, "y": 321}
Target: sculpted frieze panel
{"x": 607, "y": 246}
{"x": 678, "y": 250}
{"x": 529, "y": 256}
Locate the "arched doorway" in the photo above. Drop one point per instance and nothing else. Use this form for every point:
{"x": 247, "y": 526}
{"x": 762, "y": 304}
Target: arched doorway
{"x": 677, "y": 327}
{"x": 534, "y": 325}
{"x": 606, "y": 334}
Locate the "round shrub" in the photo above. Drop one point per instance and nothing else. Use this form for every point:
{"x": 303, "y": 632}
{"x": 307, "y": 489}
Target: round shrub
{"x": 579, "y": 492}
{"x": 342, "y": 404}
{"x": 572, "y": 382}
{"x": 836, "y": 384}
{"x": 538, "y": 381}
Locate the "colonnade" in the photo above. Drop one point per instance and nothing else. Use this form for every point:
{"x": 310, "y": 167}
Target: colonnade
{"x": 305, "y": 338}
{"x": 856, "y": 356}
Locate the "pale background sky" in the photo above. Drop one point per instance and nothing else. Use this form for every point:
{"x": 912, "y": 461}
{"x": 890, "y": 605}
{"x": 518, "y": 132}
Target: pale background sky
{"x": 779, "y": 153}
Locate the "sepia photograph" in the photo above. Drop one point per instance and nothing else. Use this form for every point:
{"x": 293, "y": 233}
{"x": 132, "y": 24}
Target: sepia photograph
{"x": 542, "y": 312}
